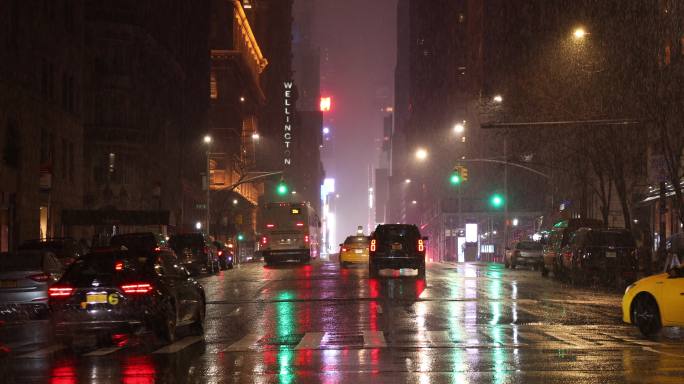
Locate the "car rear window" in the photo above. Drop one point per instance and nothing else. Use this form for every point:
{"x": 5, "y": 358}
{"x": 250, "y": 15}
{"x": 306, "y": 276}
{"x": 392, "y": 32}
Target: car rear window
{"x": 99, "y": 264}
{"x": 134, "y": 241}
{"x": 356, "y": 240}
{"x": 529, "y": 246}
{"x": 22, "y": 261}
{"x": 186, "y": 241}
{"x": 398, "y": 231}
{"x": 611, "y": 239}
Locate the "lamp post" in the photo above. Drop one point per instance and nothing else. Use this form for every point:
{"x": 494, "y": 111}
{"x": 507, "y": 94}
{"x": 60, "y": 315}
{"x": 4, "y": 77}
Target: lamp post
{"x": 207, "y": 141}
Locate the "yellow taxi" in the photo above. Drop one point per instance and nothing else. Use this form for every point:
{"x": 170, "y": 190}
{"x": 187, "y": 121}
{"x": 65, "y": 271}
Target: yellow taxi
{"x": 655, "y": 302}
{"x": 354, "y": 250}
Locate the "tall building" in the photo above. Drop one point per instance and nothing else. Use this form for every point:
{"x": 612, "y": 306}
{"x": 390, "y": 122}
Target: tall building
{"x": 41, "y": 121}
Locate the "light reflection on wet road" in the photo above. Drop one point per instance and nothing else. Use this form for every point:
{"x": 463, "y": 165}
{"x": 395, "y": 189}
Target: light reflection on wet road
{"x": 468, "y": 323}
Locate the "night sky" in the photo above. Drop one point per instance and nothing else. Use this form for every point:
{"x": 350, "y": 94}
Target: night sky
{"x": 358, "y": 54}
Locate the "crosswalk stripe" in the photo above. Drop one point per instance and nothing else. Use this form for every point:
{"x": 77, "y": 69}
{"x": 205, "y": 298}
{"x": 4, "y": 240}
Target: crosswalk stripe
{"x": 374, "y": 339}
{"x": 569, "y": 339}
{"x": 179, "y": 345}
{"x": 103, "y": 351}
{"x": 244, "y": 344}
{"x": 42, "y": 352}
{"x": 311, "y": 340}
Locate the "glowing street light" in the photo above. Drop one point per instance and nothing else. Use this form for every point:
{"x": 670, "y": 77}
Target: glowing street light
{"x": 407, "y": 181}
{"x": 414, "y": 202}
{"x": 459, "y": 128}
{"x": 207, "y": 139}
{"x": 498, "y": 99}
{"x": 255, "y": 136}
{"x": 421, "y": 154}
{"x": 326, "y": 130}
{"x": 326, "y": 104}
{"x": 579, "y": 33}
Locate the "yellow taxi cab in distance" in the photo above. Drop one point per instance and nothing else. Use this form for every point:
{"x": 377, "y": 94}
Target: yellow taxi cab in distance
{"x": 656, "y": 301}
{"x": 354, "y": 250}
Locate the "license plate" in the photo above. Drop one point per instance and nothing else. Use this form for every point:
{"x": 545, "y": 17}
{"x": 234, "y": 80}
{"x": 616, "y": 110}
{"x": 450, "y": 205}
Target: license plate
{"x": 8, "y": 283}
{"x": 396, "y": 247}
{"x": 611, "y": 254}
{"x": 358, "y": 251}
{"x": 96, "y": 298}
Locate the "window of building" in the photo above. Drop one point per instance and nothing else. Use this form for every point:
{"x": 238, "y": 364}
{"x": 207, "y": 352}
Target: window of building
{"x": 213, "y": 86}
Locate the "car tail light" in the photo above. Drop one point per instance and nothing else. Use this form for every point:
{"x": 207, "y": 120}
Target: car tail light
{"x": 157, "y": 249}
{"x": 119, "y": 266}
{"x": 137, "y": 288}
{"x": 41, "y": 277}
{"x": 344, "y": 249}
{"x": 264, "y": 240}
{"x": 60, "y": 291}
{"x": 300, "y": 224}
{"x": 270, "y": 225}
{"x": 373, "y": 246}
{"x": 421, "y": 245}
{"x": 220, "y": 253}
{"x": 306, "y": 239}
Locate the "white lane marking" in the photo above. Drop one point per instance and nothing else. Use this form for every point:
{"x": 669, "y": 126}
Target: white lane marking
{"x": 42, "y": 352}
{"x": 662, "y": 352}
{"x": 179, "y": 345}
{"x": 439, "y": 339}
{"x": 570, "y": 339}
{"x": 103, "y": 351}
{"x": 244, "y": 344}
{"x": 374, "y": 339}
{"x": 311, "y": 340}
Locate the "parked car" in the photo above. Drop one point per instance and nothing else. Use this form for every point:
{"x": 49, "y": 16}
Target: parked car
{"x": 143, "y": 241}
{"x": 525, "y": 252}
{"x": 66, "y": 249}
{"x": 25, "y": 277}
{"x": 656, "y": 301}
{"x": 396, "y": 246}
{"x": 557, "y": 239}
{"x": 196, "y": 252}
{"x": 354, "y": 250}
{"x": 225, "y": 255}
{"x": 607, "y": 254}
{"x": 113, "y": 291}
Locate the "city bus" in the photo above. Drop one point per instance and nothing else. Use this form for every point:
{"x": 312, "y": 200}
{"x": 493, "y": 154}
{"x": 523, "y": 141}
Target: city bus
{"x": 290, "y": 232}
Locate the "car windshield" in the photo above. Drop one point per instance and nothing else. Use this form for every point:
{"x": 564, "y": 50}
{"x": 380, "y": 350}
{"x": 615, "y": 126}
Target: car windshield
{"x": 105, "y": 264}
{"x": 356, "y": 240}
{"x": 21, "y": 261}
{"x": 398, "y": 232}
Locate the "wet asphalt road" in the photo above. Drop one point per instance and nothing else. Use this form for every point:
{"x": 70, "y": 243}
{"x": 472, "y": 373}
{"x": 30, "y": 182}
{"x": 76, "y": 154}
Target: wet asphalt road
{"x": 466, "y": 323}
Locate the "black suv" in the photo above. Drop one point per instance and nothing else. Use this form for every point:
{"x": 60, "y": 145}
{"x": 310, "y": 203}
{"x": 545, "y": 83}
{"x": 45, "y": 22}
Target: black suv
{"x": 396, "y": 246}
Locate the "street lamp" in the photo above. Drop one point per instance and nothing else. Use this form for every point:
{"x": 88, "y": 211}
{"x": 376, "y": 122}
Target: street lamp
{"x": 459, "y": 128}
{"x": 421, "y": 154}
{"x": 498, "y": 99}
{"x": 235, "y": 201}
{"x": 207, "y": 141}
{"x": 255, "y": 136}
{"x": 407, "y": 181}
{"x": 579, "y": 33}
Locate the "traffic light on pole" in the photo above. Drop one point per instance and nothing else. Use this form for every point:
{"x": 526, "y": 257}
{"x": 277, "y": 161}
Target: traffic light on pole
{"x": 282, "y": 188}
{"x": 464, "y": 174}
{"x": 456, "y": 176}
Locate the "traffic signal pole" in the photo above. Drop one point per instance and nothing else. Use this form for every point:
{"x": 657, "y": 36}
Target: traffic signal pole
{"x": 505, "y": 151}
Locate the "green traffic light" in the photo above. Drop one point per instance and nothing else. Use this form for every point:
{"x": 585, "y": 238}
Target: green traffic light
{"x": 497, "y": 201}
{"x": 455, "y": 179}
{"x": 240, "y": 237}
{"x": 282, "y": 189}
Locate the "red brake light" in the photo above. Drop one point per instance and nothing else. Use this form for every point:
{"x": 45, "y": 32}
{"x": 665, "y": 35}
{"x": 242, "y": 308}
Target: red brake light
{"x": 157, "y": 249}
{"x": 264, "y": 240}
{"x": 220, "y": 253}
{"x": 421, "y": 245}
{"x": 119, "y": 266}
{"x": 41, "y": 277}
{"x": 137, "y": 288}
{"x": 57, "y": 291}
{"x": 270, "y": 225}
{"x": 306, "y": 238}
{"x": 373, "y": 245}
{"x": 344, "y": 249}
{"x": 300, "y": 224}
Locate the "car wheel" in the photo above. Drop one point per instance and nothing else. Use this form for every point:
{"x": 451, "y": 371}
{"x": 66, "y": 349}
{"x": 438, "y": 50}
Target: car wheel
{"x": 197, "y": 328}
{"x": 167, "y": 327}
{"x": 646, "y": 316}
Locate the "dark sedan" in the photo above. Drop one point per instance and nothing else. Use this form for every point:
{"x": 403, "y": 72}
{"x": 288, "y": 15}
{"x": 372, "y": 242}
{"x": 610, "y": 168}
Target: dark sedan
{"x": 125, "y": 292}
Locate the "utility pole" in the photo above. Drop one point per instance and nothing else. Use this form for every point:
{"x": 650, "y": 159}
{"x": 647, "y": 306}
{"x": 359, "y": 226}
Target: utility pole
{"x": 505, "y": 151}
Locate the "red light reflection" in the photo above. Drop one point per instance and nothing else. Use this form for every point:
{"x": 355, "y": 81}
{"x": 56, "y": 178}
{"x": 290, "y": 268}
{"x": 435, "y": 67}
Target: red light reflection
{"x": 138, "y": 370}
{"x": 64, "y": 372}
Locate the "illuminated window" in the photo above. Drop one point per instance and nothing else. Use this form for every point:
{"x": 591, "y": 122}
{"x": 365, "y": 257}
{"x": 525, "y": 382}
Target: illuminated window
{"x": 213, "y": 87}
